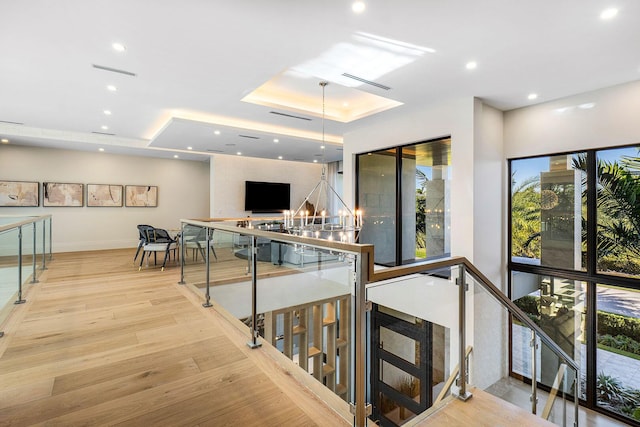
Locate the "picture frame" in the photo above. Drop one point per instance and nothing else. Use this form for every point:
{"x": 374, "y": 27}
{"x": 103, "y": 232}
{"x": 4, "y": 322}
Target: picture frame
{"x": 104, "y": 195}
{"x": 141, "y": 196}
{"x": 56, "y": 194}
{"x": 19, "y": 193}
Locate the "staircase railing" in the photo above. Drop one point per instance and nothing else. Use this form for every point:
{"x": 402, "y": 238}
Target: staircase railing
{"x": 269, "y": 273}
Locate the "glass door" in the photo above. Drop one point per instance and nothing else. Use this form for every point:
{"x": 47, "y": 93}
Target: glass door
{"x": 404, "y": 194}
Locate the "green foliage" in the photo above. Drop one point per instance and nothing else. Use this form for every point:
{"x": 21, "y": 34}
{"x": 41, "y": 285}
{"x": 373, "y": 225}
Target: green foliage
{"x": 528, "y": 304}
{"x": 616, "y": 324}
{"x": 525, "y": 218}
{"x": 618, "y": 215}
{"x": 626, "y": 265}
{"x": 609, "y": 389}
{"x": 613, "y": 395}
{"x": 620, "y": 342}
{"x": 421, "y": 201}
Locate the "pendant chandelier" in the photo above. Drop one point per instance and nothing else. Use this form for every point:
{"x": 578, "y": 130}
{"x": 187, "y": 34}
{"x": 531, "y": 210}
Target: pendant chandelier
{"x": 323, "y": 214}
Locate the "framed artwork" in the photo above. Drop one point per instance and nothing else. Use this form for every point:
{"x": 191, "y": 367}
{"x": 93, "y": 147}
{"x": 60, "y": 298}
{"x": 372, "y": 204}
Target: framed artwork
{"x": 104, "y": 195}
{"x": 141, "y": 196}
{"x": 59, "y": 194}
{"x": 19, "y": 193}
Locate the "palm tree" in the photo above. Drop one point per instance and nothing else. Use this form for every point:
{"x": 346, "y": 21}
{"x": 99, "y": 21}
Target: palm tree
{"x": 525, "y": 217}
{"x": 618, "y": 204}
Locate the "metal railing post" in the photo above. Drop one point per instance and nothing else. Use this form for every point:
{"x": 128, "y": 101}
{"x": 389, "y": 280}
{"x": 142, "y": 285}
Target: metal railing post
{"x": 254, "y": 300}
{"x": 360, "y": 409}
{"x": 181, "y": 282}
{"x": 20, "y": 300}
{"x": 34, "y": 279}
{"x": 576, "y": 402}
{"x": 207, "y": 303}
{"x": 50, "y": 238}
{"x": 534, "y": 374}
{"x": 44, "y": 244}
{"x": 463, "y": 394}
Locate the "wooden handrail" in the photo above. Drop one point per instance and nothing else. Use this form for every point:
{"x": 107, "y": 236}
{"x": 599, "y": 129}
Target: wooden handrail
{"x": 29, "y": 220}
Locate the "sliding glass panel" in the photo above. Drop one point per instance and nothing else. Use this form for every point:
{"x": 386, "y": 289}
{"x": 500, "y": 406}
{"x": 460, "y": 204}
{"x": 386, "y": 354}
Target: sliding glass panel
{"x": 548, "y": 211}
{"x": 426, "y": 175}
{"x": 377, "y": 197}
{"x": 618, "y": 196}
{"x": 618, "y": 354}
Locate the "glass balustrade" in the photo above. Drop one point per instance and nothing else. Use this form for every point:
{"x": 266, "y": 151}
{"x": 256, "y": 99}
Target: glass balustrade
{"x": 23, "y": 246}
{"x": 389, "y": 342}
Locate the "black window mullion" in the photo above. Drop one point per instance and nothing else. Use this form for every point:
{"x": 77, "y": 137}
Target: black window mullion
{"x": 399, "y": 206}
{"x": 592, "y": 212}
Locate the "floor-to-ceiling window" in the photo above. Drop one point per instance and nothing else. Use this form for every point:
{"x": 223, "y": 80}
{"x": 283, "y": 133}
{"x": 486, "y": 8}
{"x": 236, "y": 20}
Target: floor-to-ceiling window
{"x": 574, "y": 237}
{"x": 404, "y": 194}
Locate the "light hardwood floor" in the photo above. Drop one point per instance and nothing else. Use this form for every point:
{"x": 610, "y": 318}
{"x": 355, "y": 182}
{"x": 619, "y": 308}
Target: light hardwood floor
{"x": 99, "y": 342}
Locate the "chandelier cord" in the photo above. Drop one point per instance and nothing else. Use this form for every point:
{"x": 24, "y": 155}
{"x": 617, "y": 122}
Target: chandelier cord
{"x": 323, "y": 84}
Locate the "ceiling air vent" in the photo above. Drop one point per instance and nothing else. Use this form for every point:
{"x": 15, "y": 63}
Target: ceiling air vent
{"x": 365, "y": 81}
{"x": 114, "y": 70}
{"x": 104, "y": 133}
{"x": 290, "y": 115}
{"x": 11, "y": 123}
{"x": 215, "y": 151}
{"x": 249, "y": 136}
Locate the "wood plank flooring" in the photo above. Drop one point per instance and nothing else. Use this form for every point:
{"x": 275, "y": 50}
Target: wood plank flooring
{"x": 100, "y": 343}
{"x": 482, "y": 410}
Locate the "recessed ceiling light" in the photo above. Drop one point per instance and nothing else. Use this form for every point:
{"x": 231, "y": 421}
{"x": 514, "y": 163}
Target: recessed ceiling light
{"x": 322, "y": 147}
{"x": 276, "y": 140}
{"x": 587, "y": 106}
{"x": 358, "y": 6}
{"x": 608, "y": 13}
{"x": 111, "y": 88}
{"x": 345, "y": 104}
{"x": 5, "y": 141}
{"x": 104, "y": 127}
{"x": 280, "y": 157}
{"x": 471, "y": 65}
{"x": 189, "y": 148}
{"x": 239, "y": 153}
{"x": 315, "y": 160}
{"x": 101, "y": 149}
{"x": 107, "y": 112}
{"x": 175, "y": 156}
{"x": 118, "y": 47}
{"x": 217, "y": 132}
{"x": 532, "y": 96}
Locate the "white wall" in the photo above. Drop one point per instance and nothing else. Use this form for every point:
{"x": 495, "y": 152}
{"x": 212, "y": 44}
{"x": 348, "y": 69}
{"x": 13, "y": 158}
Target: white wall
{"x": 567, "y": 124}
{"x": 183, "y": 192}
{"x": 477, "y": 209}
{"x": 229, "y": 173}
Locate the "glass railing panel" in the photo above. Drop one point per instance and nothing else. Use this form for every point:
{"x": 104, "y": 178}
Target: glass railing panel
{"x": 305, "y": 308}
{"x": 558, "y": 306}
{"x": 193, "y": 255}
{"x": 540, "y": 362}
{"x": 9, "y": 274}
{"x": 38, "y": 246}
{"x": 304, "y": 297}
{"x": 28, "y": 257}
{"x": 556, "y": 387}
{"x": 414, "y": 343}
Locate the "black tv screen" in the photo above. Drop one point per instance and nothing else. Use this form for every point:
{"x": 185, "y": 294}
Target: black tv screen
{"x": 266, "y": 197}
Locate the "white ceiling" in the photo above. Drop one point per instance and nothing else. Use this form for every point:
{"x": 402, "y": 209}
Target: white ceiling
{"x": 196, "y": 60}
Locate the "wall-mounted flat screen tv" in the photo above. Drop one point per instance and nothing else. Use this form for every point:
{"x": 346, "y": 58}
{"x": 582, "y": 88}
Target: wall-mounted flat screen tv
{"x": 266, "y": 197}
